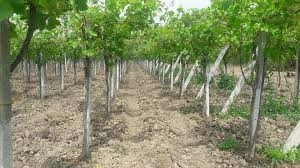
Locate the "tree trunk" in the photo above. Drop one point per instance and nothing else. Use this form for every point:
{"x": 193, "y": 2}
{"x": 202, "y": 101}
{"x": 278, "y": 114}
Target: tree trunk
{"x": 125, "y": 67}
{"x": 95, "y": 67}
{"x": 66, "y": 64}
{"x": 112, "y": 82}
{"x": 28, "y": 71}
{"x": 30, "y": 30}
{"x": 233, "y": 69}
{"x": 36, "y": 69}
{"x": 206, "y": 91}
{"x": 61, "y": 70}
{"x": 182, "y": 78}
{"x": 279, "y": 78}
{"x": 172, "y": 76}
{"x": 151, "y": 68}
{"x": 257, "y": 93}
{"x": 118, "y": 75}
{"x": 41, "y": 70}
{"x": 24, "y": 67}
{"x": 158, "y": 68}
{"x": 225, "y": 65}
{"x": 163, "y": 73}
{"x": 55, "y": 69}
{"x": 99, "y": 65}
{"x": 108, "y": 85}
{"x": 121, "y": 70}
{"x": 75, "y": 72}
{"x": 297, "y": 75}
{"x": 87, "y": 108}
{"x": 45, "y": 66}
{"x": 5, "y": 97}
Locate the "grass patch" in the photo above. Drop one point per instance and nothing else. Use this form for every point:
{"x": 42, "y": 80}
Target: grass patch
{"x": 273, "y": 107}
{"x": 229, "y": 144}
{"x": 275, "y": 154}
{"x": 235, "y": 111}
{"x": 186, "y": 110}
{"x": 176, "y": 70}
{"x": 199, "y": 79}
{"x": 226, "y": 82}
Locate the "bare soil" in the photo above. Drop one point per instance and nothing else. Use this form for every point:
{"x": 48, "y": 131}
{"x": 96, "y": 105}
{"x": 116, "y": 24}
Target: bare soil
{"x": 147, "y": 128}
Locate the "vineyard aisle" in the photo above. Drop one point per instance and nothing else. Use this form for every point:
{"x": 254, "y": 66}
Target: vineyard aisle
{"x": 148, "y": 131}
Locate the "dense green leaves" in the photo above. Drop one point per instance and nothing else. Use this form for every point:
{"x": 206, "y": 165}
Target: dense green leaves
{"x": 126, "y": 28}
{"x": 81, "y": 4}
{"x": 8, "y": 7}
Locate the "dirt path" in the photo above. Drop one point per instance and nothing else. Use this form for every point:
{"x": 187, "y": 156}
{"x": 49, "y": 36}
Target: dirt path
{"x": 149, "y": 134}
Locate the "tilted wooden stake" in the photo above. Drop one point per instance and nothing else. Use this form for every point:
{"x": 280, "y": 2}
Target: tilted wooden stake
{"x": 238, "y": 87}
{"x": 172, "y": 76}
{"x": 214, "y": 69}
{"x": 293, "y": 140}
{"x": 180, "y": 71}
{"x": 188, "y": 79}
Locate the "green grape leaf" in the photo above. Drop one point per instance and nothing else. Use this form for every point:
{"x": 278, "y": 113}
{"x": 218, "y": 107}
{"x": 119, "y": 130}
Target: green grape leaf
{"x": 18, "y": 6}
{"x": 40, "y": 20}
{"x": 92, "y": 33}
{"x": 52, "y": 23}
{"x": 80, "y": 4}
{"x": 6, "y": 9}
{"x": 13, "y": 31}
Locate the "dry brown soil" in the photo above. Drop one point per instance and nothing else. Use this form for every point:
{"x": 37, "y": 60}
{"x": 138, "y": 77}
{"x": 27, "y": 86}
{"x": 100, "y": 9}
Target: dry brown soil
{"x": 146, "y": 128}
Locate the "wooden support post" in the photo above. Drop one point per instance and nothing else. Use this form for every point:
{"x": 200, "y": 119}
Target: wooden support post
{"x": 167, "y": 69}
{"x": 172, "y": 76}
{"x": 176, "y": 62}
{"x": 61, "y": 69}
{"x": 179, "y": 73}
{"x": 95, "y": 68}
{"x": 66, "y": 64}
{"x": 294, "y": 139}
{"x": 188, "y": 79}
{"x": 213, "y": 70}
{"x": 238, "y": 87}
{"x": 297, "y": 75}
{"x": 118, "y": 75}
{"x": 112, "y": 82}
{"x": 206, "y": 86}
{"x": 163, "y": 73}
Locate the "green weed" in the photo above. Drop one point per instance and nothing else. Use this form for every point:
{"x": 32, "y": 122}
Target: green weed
{"x": 229, "y": 143}
{"x": 199, "y": 79}
{"x": 271, "y": 107}
{"x": 241, "y": 111}
{"x": 226, "y": 82}
{"x": 275, "y": 154}
{"x": 278, "y": 106}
